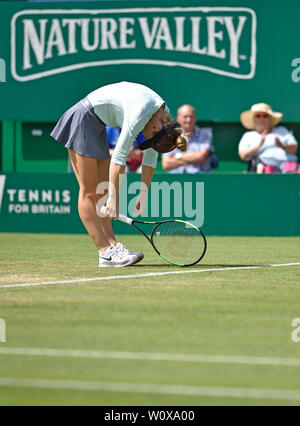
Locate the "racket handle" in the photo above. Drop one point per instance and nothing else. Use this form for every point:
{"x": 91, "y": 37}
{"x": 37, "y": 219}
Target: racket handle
{"x": 125, "y": 219}
{"x": 121, "y": 217}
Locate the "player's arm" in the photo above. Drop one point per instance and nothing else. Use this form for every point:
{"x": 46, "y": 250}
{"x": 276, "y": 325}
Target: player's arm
{"x": 148, "y": 167}
{"x": 147, "y": 175}
{"x": 117, "y": 169}
{"x": 116, "y": 172}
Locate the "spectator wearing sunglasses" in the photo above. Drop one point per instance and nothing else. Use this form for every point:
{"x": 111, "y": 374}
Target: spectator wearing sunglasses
{"x": 269, "y": 147}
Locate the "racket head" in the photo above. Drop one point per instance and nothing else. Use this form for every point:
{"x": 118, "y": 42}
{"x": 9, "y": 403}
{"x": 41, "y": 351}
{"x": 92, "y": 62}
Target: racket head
{"x": 178, "y": 242}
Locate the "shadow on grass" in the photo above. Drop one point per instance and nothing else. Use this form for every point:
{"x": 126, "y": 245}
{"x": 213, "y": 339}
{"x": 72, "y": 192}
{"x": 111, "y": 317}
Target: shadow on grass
{"x": 199, "y": 265}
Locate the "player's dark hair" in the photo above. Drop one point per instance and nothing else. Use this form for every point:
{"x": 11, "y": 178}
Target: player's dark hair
{"x": 166, "y": 140}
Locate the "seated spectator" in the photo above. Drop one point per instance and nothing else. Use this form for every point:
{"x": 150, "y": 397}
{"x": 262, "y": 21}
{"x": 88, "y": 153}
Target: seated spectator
{"x": 135, "y": 156}
{"x": 270, "y": 148}
{"x": 198, "y": 156}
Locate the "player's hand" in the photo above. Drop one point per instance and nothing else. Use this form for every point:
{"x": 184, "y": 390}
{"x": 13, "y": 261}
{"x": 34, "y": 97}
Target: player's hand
{"x": 141, "y": 203}
{"x": 112, "y": 208}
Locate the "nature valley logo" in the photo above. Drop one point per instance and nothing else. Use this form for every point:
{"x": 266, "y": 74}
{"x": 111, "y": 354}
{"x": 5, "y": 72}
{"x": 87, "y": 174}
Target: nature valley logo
{"x": 215, "y": 39}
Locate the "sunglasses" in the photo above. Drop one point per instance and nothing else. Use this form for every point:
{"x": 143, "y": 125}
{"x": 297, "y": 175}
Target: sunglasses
{"x": 261, "y": 116}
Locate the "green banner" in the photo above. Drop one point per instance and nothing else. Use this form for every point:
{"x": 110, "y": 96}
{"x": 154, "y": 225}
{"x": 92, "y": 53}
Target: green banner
{"x": 221, "y": 204}
{"x": 221, "y": 58}
{"x": 39, "y": 203}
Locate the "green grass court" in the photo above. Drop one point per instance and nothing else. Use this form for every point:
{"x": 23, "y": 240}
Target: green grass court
{"x": 228, "y": 313}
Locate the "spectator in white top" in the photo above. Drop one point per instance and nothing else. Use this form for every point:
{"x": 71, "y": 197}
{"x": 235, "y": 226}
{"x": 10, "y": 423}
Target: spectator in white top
{"x": 270, "y": 147}
{"x": 198, "y": 157}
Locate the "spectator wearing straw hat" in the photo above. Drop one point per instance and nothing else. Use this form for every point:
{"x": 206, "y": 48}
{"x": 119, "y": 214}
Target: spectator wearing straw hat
{"x": 271, "y": 148}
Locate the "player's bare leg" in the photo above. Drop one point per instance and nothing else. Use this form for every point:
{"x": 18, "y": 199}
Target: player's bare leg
{"x": 106, "y": 223}
{"x": 86, "y": 171}
{"x": 102, "y": 178}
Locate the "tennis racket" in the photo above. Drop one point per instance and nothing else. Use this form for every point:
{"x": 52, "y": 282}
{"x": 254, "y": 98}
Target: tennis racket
{"x": 176, "y": 241}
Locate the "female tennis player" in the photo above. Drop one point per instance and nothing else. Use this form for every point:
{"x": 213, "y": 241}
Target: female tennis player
{"x": 134, "y": 108}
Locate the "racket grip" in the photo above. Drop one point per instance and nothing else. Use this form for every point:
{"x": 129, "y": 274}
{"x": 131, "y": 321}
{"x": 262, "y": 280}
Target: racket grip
{"x": 125, "y": 219}
{"x": 121, "y": 217}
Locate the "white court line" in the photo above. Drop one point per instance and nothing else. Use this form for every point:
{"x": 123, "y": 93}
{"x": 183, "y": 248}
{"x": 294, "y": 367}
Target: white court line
{"x": 209, "y": 391}
{"x": 148, "y": 356}
{"x": 150, "y": 274}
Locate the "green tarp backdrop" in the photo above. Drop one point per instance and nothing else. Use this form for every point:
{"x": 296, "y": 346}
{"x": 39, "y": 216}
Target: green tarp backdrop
{"x": 219, "y": 56}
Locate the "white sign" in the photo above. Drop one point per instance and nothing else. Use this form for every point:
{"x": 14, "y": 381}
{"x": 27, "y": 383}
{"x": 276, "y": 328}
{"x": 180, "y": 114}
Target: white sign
{"x": 35, "y": 201}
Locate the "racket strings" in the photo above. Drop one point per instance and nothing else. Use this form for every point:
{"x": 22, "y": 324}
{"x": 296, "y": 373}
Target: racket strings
{"x": 178, "y": 242}
{"x": 179, "y": 245}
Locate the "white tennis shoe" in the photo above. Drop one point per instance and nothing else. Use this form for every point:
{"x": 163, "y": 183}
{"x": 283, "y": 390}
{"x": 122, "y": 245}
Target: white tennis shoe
{"x": 119, "y": 256}
{"x": 139, "y": 254}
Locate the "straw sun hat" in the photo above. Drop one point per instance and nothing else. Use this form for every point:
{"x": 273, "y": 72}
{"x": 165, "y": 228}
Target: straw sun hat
{"x": 247, "y": 117}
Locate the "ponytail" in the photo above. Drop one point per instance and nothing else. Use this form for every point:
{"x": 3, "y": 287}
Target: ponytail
{"x": 181, "y": 143}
